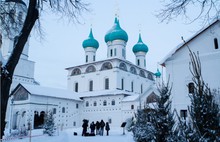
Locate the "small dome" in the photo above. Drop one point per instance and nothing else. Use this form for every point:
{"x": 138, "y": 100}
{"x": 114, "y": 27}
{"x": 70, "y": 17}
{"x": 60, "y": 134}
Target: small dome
{"x": 157, "y": 74}
{"x": 140, "y": 46}
{"x": 116, "y": 32}
{"x": 90, "y": 41}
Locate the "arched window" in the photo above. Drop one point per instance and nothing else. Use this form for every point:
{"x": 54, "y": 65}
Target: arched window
{"x": 191, "y": 87}
{"x": 76, "y": 71}
{"x": 87, "y": 103}
{"x": 138, "y": 62}
{"x": 113, "y": 102}
{"x": 94, "y": 103}
{"x": 122, "y": 84}
{"x": 132, "y": 86}
{"x": 133, "y": 70}
{"x": 123, "y": 66}
{"x": 63, "y": 109}
{"x": 87, "y": 58}
{"x": 54, "y": 110}
{"x": 94, "y": 58}
{"x": 41, "y": 119}
{"x": 141, "y": 88}
{"x": 90, "y": 68}
{"x": 76, "y": 87}
{"x": 142, "y": 73}
{"x": 152, "y": 98}
{"x": 106, "y": 83}
{"x": 123, "y": 53}
{"x": 149, "y": 76}
{"x": 104, "y": 103}
{"x": 90, "y": 85}
{"x": 132, "y": 106}
{"x": 109, "y": 120}
{"x": 183, "y": 114}
{"x": 23, "y": 113}
{"x": 106, "y": 66}
{"x": 216, "y": 43}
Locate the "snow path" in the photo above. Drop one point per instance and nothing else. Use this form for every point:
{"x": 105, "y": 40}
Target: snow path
{"x": 115, "y": 135}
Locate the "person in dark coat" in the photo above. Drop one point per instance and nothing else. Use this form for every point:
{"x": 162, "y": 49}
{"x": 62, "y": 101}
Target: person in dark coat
{"x": 97, "y": 125}
{"x": 92, "y": 128}
{"x": 107, "y": 128}
{"x": 85, "y": 125}
{"x": 102, "y": 125}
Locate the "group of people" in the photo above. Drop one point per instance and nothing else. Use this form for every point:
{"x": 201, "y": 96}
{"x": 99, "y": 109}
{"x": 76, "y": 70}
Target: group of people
{"x": 95, "y": 128}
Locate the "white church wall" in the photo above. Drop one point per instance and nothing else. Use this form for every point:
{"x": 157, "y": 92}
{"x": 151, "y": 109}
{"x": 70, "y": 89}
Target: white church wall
{"x": 111, "y": 113}
{"x": 128, "y": 78}
{"x": 25, "y": 68}
{"x": 98, "y": 79}
{"x": 178, "y": 66}
{"x": 129, "y": 109}
{"x": 66, "y": 119}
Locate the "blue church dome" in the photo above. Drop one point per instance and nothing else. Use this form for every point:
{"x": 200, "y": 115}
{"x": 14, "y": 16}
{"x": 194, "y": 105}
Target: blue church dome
{"x": 90, "y": 41}
{"x": 140, "y": 46}
{"x": 157, "y": 74}
{"x": 116, "y": 32}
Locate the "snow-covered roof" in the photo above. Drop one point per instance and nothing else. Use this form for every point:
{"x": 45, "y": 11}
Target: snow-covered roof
{"x": 103, "y": 93}
{"x": 130, "y": 98}
{"x": 50, "y": 92}
{"x": 178, "y": 47}
{"x": 135, "y": 97}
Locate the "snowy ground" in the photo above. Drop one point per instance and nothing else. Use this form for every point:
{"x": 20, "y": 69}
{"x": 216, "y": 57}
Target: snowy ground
{"x": 115, "y": 135}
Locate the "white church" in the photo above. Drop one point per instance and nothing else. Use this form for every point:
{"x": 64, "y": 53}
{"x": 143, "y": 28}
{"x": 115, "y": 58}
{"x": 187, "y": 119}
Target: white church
{"x": 206, "y": 42}
{"x": 111, "y": 89}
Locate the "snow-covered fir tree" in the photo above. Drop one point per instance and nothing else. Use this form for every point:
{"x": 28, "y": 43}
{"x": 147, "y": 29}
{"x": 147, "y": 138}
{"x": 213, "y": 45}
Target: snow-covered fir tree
{"x": 49, "y": 125}
{"x": 157, "y": 124}
{"x": 143, "y": 128}
{"x": 163, "y": 117}
{"x": 204, "y": 111}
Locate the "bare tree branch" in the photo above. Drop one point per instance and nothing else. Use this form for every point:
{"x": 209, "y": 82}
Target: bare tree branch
{"x": 209, "y": 10}
{"x": 16, "y": 23}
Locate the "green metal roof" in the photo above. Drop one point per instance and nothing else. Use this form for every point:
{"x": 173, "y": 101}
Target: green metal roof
{"x": 116, "y": 32}
{"x": 140, "y": 46}
{"x": 90, "y": 41}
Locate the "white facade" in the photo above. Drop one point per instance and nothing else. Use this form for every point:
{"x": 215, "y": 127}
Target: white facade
{"x": 207, "y": 43}
{"x": 141, "y": 59}
{"x": 32, "y": 100}
{"x": 24, "y": 71}
{"x": 116, "y": 49}
{"x": 111, "y": 89}
{"x": 121, "y": 84}
{"x": 90, "y": 54}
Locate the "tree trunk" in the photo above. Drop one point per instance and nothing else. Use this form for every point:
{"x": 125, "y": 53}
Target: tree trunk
{"x": 8, "y": 69}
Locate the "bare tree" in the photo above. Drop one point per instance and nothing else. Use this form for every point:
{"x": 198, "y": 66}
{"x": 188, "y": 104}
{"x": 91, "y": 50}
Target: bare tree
{"x": 208, "y": 10}
{"x": 64, "y": 8}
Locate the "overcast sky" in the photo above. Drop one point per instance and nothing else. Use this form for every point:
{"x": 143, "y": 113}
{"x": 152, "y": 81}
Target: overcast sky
{"x": 62, "y": 44}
